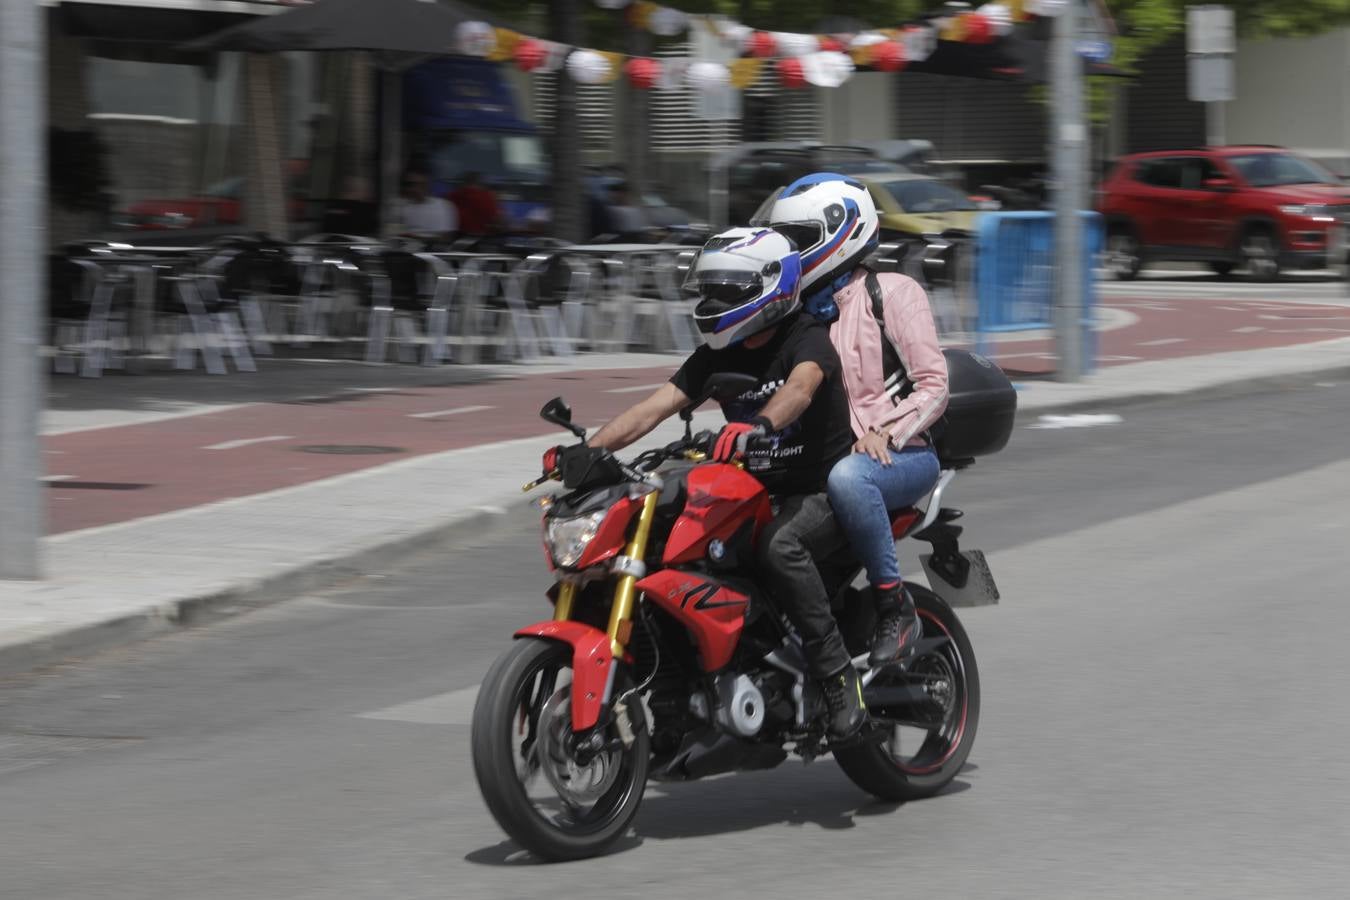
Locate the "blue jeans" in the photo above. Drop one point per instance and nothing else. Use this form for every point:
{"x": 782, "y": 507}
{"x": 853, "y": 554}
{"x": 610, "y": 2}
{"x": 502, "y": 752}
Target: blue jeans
{"x": 863, "y": 491}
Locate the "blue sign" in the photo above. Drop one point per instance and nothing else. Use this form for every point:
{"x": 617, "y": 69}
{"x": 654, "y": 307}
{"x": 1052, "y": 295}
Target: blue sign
{"x": 1098, "y": 51}
{"x": 459, "y": 93}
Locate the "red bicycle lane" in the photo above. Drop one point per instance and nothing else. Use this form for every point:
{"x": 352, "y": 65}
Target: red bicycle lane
{"x": 117, "y": 474}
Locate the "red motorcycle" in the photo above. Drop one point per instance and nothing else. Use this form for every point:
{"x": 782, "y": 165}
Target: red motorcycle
{"x": 665, "y": 660}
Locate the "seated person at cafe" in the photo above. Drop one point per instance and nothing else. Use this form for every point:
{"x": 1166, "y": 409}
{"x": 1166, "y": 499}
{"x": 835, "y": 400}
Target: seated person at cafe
{"x": 477, "y": 205}
{"x": 419, "y": 213}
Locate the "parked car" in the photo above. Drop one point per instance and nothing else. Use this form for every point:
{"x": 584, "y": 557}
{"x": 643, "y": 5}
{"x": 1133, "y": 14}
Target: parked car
{"x": 912, "y": 206}
{"x": 1262, "y": 208}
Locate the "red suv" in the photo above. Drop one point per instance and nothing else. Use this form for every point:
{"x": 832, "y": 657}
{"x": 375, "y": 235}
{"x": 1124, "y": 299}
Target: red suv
{"x": 1263, "y": 208}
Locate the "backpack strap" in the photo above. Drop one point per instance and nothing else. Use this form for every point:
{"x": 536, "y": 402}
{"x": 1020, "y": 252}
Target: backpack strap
{"x": 897, "y": 380}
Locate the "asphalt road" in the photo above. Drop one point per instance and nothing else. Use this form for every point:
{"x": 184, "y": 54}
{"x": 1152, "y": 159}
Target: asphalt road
{"x": 1164, "y": 712}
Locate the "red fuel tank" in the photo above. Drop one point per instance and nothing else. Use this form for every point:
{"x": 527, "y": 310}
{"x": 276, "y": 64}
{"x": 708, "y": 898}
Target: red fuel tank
{"x": 720, "y": 499}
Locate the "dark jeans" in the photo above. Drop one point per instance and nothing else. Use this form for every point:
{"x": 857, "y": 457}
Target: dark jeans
{"x": 804, "y": 531}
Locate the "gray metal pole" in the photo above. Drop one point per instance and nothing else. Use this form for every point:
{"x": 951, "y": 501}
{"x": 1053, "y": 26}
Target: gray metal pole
{"x": 1070, "y": 146}
{"x": 23, "y": 222}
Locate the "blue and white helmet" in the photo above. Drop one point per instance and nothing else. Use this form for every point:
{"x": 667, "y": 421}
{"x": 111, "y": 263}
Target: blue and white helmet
{"x": 831, "y": 220}
{"x": 747, "y": 280}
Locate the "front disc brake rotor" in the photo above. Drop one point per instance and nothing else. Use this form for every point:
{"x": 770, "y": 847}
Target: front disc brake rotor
{"x": 578, "y": 786}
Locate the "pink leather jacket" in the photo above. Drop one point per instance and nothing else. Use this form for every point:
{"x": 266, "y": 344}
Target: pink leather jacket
{"x": 909, "y": 322}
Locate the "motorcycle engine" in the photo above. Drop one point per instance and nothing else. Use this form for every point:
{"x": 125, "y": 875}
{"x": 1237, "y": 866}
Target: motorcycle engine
{"x": 740, "y": 705}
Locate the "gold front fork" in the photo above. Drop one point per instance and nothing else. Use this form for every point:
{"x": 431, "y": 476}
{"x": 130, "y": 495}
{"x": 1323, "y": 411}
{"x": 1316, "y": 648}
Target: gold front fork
{"x": 562, "y": 610}
{"x": 625, "y": 592}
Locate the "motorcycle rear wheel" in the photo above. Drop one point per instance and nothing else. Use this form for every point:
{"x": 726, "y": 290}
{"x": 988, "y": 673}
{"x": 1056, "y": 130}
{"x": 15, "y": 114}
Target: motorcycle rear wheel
{"x": 949, "y": 675}
{"x": 547, "y": 800}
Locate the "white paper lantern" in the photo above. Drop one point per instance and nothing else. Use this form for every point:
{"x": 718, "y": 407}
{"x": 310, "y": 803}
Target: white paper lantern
{"x": 612, "y": 4}
{"x": 705, "y": 76}
{"x": 735, "y": 34}
{"x": 866, "y": 39}
{"x": 793, "y": 44}
{"x": 667, "y": 22}
{"x": 587, "y": 67}
{"x": 999, "y": 16}
{"x": 827, "y": 68}
{"x": 672, "y": 73}
{"x": 920, "y": 43}
{"x": 1048, "y": 8}
{"x": 475, "y": 38}
{"x": 555, "y": 56}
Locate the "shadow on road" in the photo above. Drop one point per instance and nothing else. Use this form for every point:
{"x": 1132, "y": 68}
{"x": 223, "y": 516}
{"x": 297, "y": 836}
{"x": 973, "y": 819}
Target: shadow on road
{"x": 743, "y": 802}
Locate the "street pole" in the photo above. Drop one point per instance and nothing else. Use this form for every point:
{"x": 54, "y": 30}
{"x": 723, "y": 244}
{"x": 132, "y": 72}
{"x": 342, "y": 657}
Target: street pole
{"x": 1070, "y": 144}
{"x": 23, "y": 224}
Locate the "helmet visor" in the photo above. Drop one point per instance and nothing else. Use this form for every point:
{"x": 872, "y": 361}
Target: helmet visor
{"x": 722, "y": 290}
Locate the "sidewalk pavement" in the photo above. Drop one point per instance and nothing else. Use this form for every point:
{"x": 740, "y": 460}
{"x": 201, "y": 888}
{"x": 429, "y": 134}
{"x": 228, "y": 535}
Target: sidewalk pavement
{"x": 119, "y": 582}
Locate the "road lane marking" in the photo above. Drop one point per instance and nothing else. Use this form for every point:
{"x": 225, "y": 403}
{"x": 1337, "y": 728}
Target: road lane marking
{"x": 459, "y": 410}
{"x": 244, "y": 442}
{"x": 1248, "y": 329}
{"x": 1161, "y": 341}
{"x": 634, "y": 389}
{"x": 1083, "y": 420}
{"x": 58, "y": 477}
{"x": 452, "y": 708}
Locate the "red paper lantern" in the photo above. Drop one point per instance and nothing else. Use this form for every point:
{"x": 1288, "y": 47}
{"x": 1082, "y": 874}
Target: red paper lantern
{"x": 978, "y": 28}
{"x": 762, "y": 44}
{"x": 642, "y": 72}
{"x": 530, "y": 54}
{"x": 830, "y": 45}
{"x": 790, "y": 72}
{"x": 888, "y": 56}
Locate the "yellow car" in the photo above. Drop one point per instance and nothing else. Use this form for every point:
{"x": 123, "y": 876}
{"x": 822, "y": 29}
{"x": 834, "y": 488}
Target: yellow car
{"x": 916, "y": 205}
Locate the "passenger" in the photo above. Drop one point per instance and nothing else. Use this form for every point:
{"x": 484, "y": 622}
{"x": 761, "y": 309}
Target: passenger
{"x": 894, "y": 373}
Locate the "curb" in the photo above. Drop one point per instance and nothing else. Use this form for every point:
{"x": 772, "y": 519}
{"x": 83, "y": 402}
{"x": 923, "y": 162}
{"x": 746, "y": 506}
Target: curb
{"x": 314, "y": 575}
{"x": 321, "y": 573}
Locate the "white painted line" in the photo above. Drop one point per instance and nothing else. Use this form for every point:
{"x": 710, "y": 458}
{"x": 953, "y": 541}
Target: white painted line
{"x": 1085, "y": 420}
{"x": 449, "y": 412}
{"x": 634, "y": 389}
{"x": 244, "y": 442}
{"x": 1325, "y": 384}
{"x": 1161, "y": 341}
{"x": 57, "y": 477}
{"x": 1248, "y": 329}
{"x": 375, "y": 390}
{"x": 453, "y": 708}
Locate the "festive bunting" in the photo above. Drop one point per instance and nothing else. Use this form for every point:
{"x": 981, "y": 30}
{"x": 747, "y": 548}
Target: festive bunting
{"x": 888, "y": 56}
{"x": 530, "y": 54}
{"x": 790, "y": 73}
{"x": 642, "y": 73}
{"x": 761, "y": 44}
{"x": 505, "y": 42}
{"x": 977, "y": 29}
{"x": 588, "y": 67}
{"x": 827, "y": 68}
{"x": 920, "y": 42}
{"x": 705, "y": 76}
{"x": 475, "y": 38}
{"x": 745, "y": 72}
{"x": 1000, "y": 18}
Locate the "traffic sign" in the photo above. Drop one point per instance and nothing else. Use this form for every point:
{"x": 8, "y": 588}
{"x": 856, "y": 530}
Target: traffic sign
{"x": 1210, "y": 30}
{"x": 1098, "y": 51}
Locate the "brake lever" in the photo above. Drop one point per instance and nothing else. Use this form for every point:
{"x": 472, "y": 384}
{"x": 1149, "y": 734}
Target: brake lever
{"x": 548, "y": 476}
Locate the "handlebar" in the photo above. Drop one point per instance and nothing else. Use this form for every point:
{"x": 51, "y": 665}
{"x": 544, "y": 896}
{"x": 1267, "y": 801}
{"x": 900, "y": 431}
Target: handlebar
{"x": 694, "y": 450}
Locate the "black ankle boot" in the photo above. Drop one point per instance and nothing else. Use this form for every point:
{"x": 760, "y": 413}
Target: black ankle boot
{"x": 844, "y": 699}
{"x": 897, "y": 624}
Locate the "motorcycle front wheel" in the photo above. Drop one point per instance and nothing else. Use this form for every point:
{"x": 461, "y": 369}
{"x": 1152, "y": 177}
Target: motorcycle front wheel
{"x": 930, "y": 739}
{"x": 554, "y": 798}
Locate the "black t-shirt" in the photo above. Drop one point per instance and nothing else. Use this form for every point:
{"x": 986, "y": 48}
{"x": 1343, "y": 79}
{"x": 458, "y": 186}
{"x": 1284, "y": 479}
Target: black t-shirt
{"x": 800, "y": 456}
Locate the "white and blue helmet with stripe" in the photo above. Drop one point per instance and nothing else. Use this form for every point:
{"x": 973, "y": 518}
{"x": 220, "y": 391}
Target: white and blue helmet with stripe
{"x": 747, "y": 280}
{"x": 830, "y": 219}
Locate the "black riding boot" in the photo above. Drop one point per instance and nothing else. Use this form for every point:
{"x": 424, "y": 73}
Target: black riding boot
{"x": 897, "y": 623}
{"x": 843, "y": 697}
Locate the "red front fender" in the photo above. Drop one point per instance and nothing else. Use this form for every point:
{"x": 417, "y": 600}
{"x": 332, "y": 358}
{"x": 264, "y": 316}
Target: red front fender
{"x": 591, "y": 661}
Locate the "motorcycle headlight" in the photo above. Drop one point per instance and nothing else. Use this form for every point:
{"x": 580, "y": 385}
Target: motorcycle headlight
{"x": 567, "y": 538}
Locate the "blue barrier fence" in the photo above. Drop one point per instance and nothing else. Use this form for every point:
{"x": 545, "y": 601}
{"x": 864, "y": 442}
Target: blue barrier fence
{"x": 1015, "y": 276}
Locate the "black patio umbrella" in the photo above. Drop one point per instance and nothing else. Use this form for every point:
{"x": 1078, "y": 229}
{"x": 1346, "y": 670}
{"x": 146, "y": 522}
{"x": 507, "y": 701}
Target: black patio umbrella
{"x": 421, "y": 27}
{"x": 400, "y": 33}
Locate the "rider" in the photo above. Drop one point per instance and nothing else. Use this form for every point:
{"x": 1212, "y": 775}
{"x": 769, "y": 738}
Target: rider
{"x": 796, "y": 419}
{"x": 833, "y": 223}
